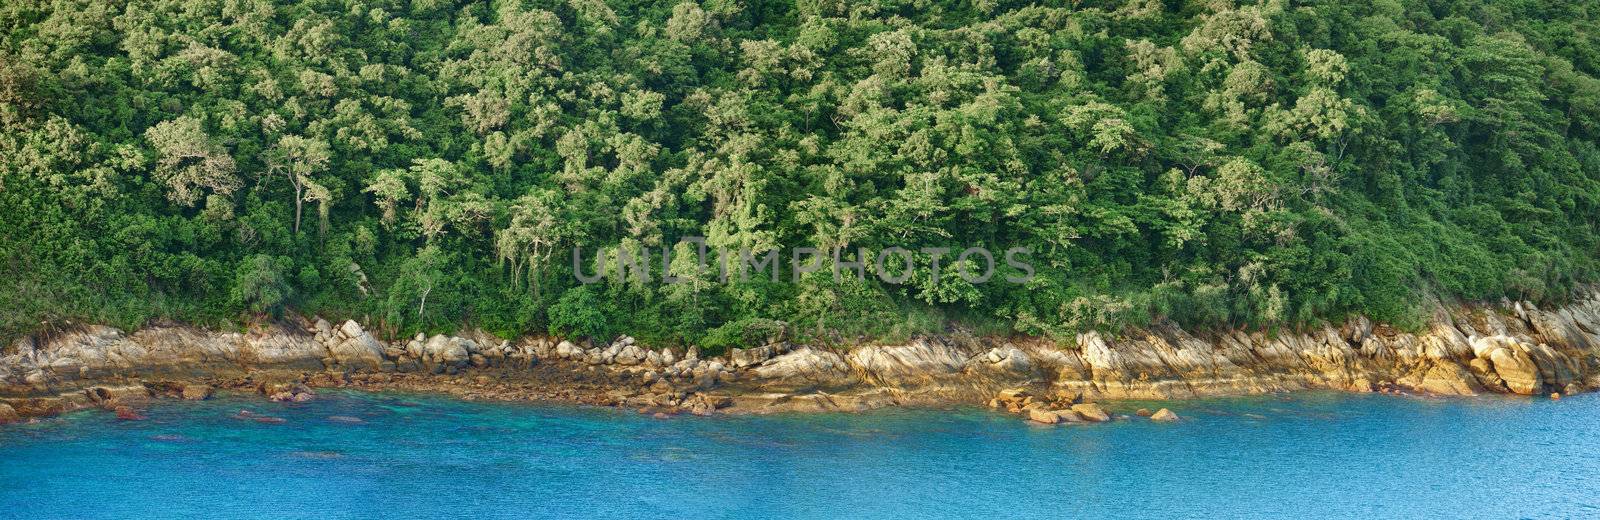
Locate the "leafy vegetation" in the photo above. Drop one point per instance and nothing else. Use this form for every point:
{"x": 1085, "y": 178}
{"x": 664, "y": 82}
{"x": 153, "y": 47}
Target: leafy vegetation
{"x": 426, "y": 164}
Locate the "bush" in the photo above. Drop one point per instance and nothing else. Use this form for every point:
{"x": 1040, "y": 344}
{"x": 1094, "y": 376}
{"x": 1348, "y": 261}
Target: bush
{"x": 259, "y": 285}
{"x": 578, "y": 313}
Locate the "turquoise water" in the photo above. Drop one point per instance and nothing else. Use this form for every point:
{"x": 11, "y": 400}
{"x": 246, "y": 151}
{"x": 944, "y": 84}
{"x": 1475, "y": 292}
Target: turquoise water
{"x": 411, "y": 456}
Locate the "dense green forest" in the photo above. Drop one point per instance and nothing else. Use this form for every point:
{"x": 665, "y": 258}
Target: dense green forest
{"x": 429, "y": 164}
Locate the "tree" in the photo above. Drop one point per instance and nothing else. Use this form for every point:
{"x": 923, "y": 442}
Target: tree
{"x": 259, "y": 284}
{"x": 299, "y": 159}
{"x": 418, "y": 277}
{"x": 531, "y": 236}
{"x": 188, "y": 160}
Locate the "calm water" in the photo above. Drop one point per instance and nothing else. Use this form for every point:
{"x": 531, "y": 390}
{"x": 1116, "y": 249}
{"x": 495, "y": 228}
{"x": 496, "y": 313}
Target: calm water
{"x": 1366, "y": 456}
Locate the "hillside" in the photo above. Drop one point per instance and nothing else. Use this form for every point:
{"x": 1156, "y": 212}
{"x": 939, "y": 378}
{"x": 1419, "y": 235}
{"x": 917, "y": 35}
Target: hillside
{"x": 429, "y": 164}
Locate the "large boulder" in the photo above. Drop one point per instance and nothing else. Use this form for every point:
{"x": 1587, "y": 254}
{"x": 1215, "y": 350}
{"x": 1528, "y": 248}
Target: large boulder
{"x": 1164, "y": 415}
{"x": 1042, "y": 416}
{"x": 355, "y": 348}
{"x": 567, "y": 350}
{"x": 1091, "y": 412}
{"x": 1448, "y": 378}
{"x": 630, "y": 355}
{"x": 1516, "y": 369}
{"x": 447, "y": 353}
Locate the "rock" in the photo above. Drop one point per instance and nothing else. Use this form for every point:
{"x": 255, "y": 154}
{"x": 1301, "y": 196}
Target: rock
{"x": 351, "y": 329}
{"x": 921, "y": 360}
{"x": 1010, "y": 394}
{"x": 1555, "y": 396}
{"x": 196, "y": 392}
{"x": 1164, "y": 415}
{"x": 1143, "y": 412}
{"x": 566, "y": 350}
{"x": 357, "y": 349}
{"x": 749, "y": 357}
{"x": 630, "y": 355}
{"x": 1518, "y": 371}
{"x": 119, "y": 395}
{"x": 1091, "y": 412}
{"x": 1005, "y": 359}
{"x": 1014, "y": 400}
{"x": 128, "y": 414}
{"x": 1043, "y": 416}
{"x": 804, "y": 366}
{"x": 1449, "y": 378}
{"x": 8, "y": 414}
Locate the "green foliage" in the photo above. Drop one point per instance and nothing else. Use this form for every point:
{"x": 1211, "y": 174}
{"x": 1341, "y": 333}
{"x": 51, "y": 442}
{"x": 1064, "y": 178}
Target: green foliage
{"x": 1216, "y": 164}
{"x": 580, "y": 313}
{"x": 747, "y": 332}
{"x": 259, "y": 284}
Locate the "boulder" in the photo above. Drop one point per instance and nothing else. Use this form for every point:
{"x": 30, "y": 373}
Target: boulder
{"x": 1014, "y": 400}
{"x": 128, "y": 414}
{"x": 1164, "y": 415}
{"x": 1042, "y": 416}
{"x": 749, "y": 357}
{"x": 1091, "y": 412}
{"x": 1518, "y": 371}
{"x": 360, "y": 351}
{"x": 8, "y": 414}
{"x": 351, "y": 329}
{"x": 566, "y": 350}
{"x": 196, "y": 392}
{"x": 1448, "y": 378}
{"x": 631, "y": 355}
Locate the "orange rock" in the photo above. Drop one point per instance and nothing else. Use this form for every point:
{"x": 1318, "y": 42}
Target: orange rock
{"x": 128, "y": 414}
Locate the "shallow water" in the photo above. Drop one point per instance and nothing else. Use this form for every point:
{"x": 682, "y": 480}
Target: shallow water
{"x": 413, "y": 456}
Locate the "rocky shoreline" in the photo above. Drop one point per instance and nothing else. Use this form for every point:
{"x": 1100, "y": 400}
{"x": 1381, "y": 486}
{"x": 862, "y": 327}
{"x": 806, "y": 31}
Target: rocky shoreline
{"x": 1513, "y": 348}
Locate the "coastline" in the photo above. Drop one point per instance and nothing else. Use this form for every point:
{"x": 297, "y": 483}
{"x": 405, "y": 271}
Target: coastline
{"x": 1513, "y": 348}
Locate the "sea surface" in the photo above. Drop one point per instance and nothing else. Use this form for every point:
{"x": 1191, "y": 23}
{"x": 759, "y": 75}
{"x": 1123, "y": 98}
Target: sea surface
{"x": 358, "y": 455}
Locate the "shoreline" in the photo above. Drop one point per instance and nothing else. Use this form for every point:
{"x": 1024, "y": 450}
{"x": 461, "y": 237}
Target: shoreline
{"x": 1512, "y": 348}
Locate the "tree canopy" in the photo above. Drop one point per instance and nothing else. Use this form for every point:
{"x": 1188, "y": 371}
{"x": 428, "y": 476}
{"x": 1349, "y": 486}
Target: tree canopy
{"x": 1210, "y": 162}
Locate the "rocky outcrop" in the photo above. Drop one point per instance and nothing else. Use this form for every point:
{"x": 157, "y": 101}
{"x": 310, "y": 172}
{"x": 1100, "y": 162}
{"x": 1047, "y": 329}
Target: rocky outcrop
{"x": 1509, "y": 348}
{"x": 350, "y": 346}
